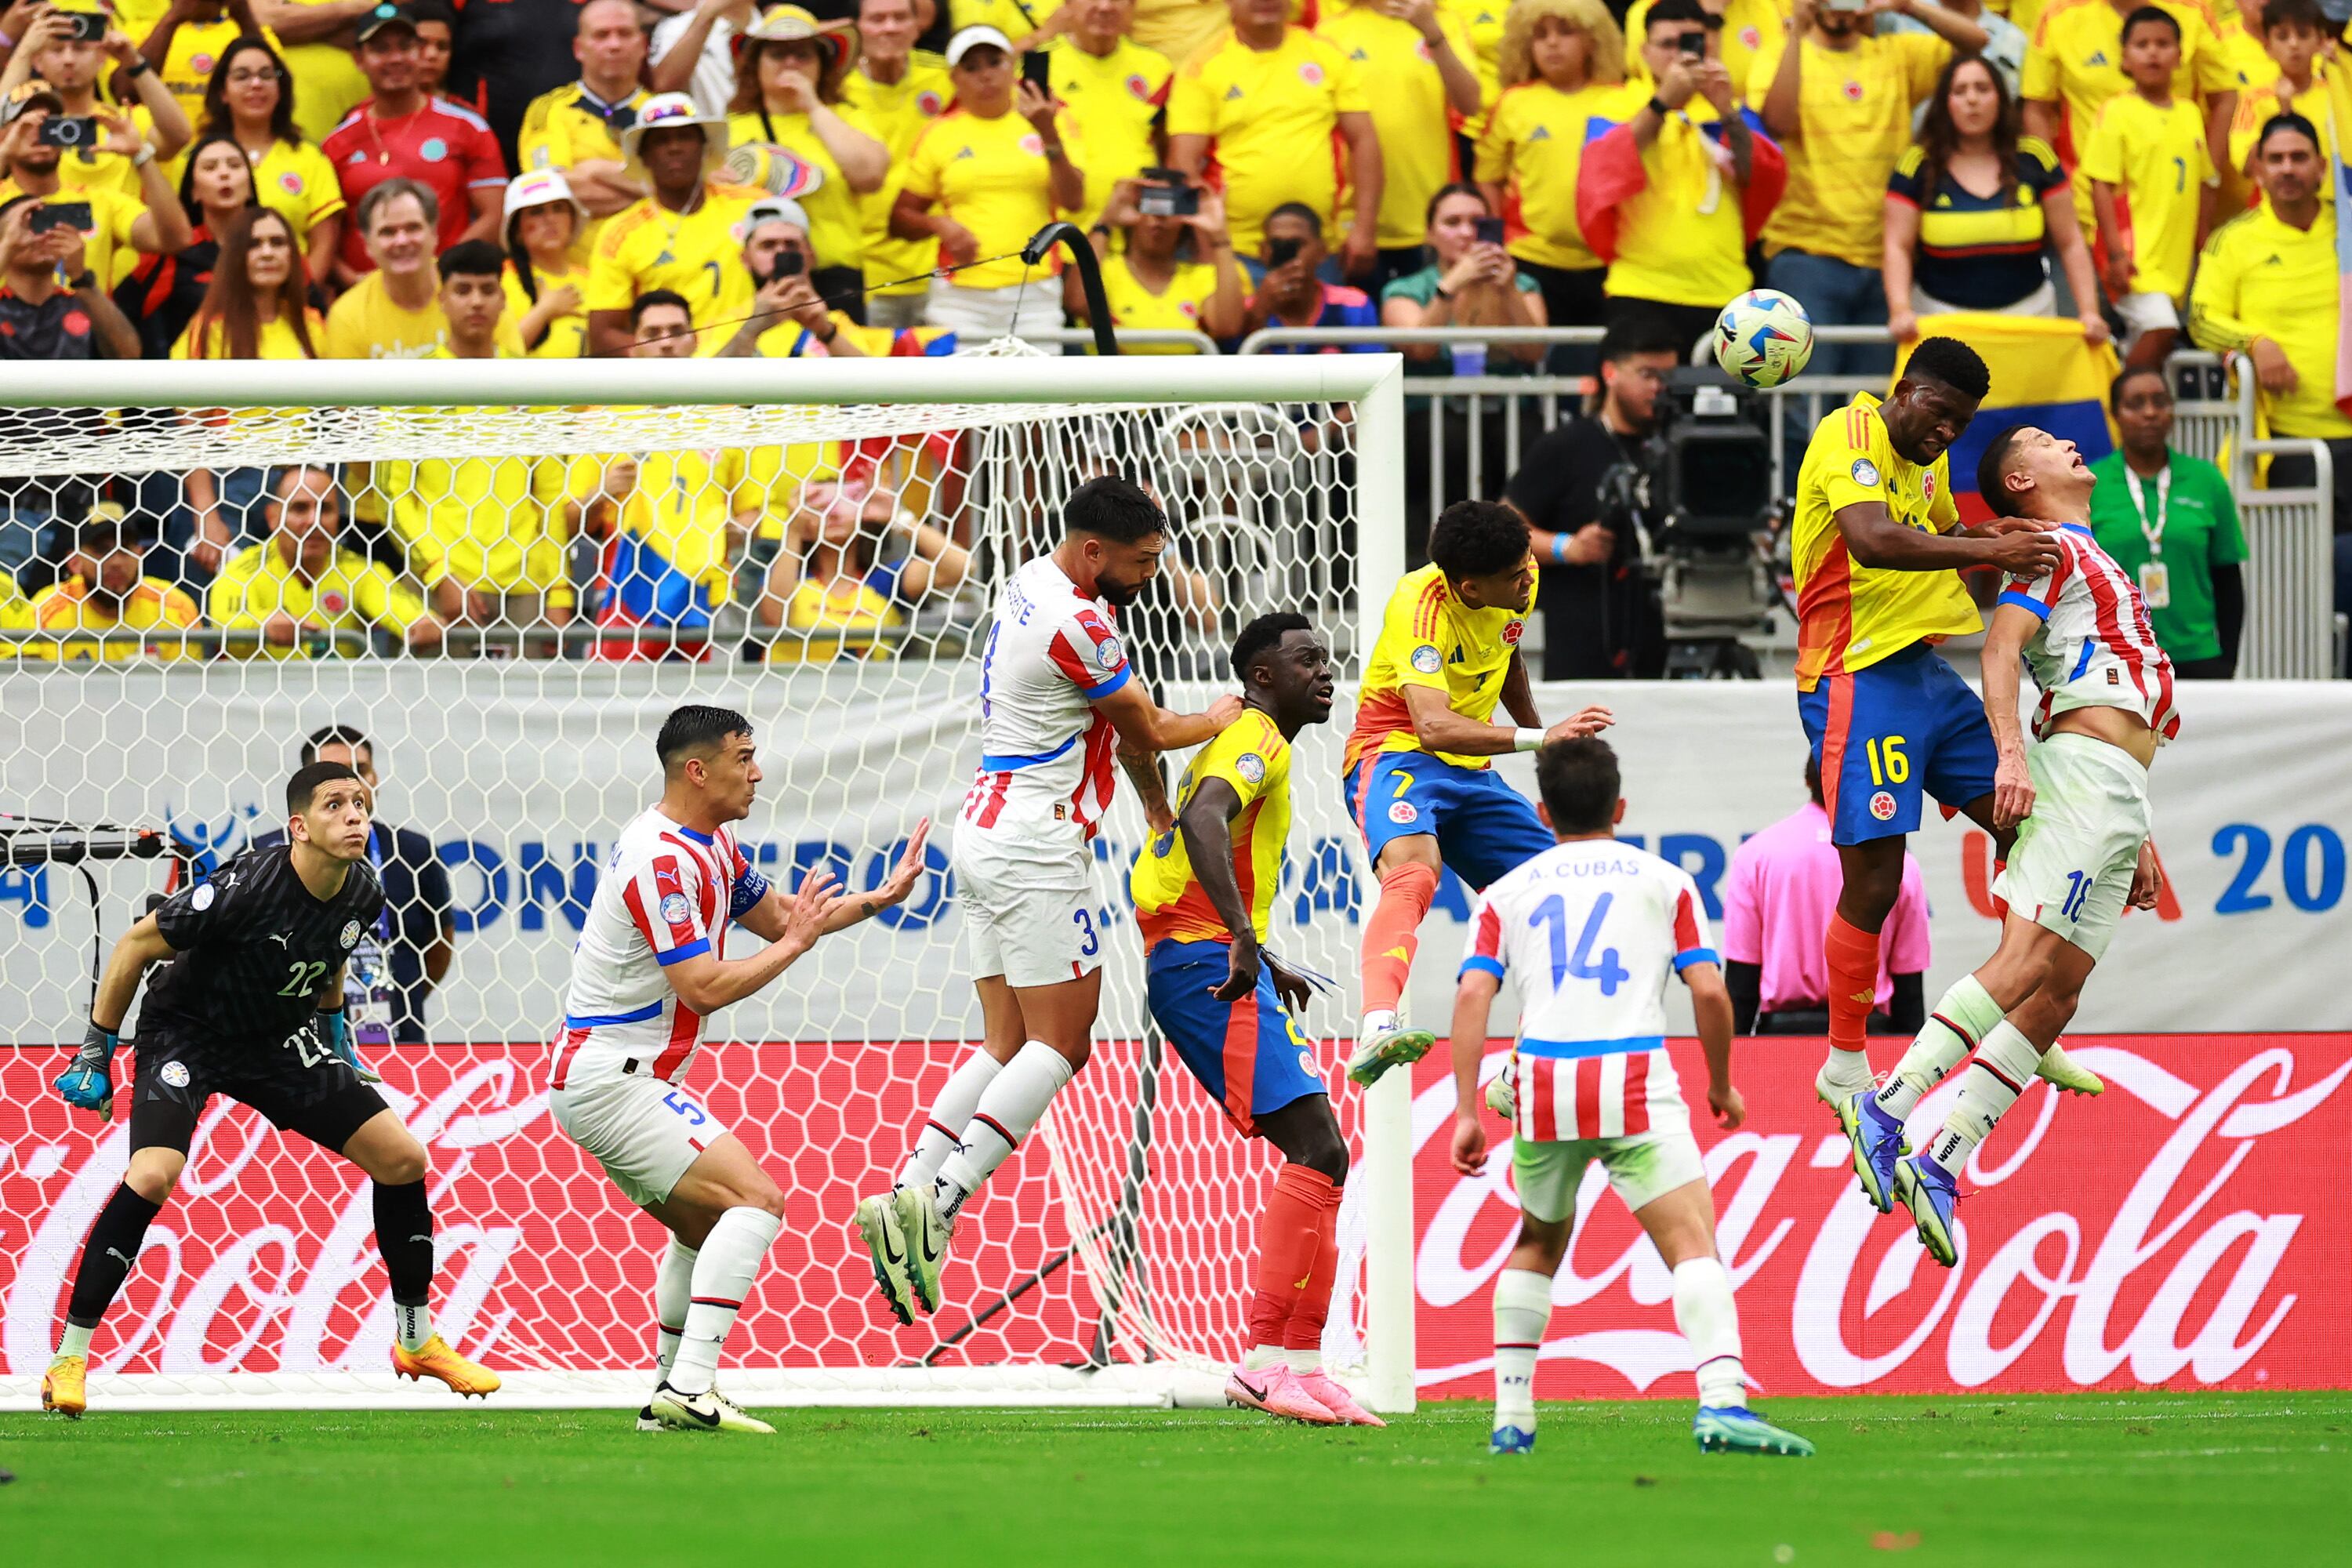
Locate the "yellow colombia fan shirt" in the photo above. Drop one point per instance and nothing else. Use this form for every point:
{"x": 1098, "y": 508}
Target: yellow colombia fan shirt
{"x": 1251, "y": 756}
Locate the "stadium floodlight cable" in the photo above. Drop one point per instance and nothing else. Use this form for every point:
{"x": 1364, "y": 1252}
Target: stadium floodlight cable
{"x": 1283, "y": 477}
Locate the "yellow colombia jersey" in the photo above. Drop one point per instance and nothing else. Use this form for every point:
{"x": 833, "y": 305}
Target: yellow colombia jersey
{"x": 682, "y": 506}
{"x": 1854, "y": 107}
{"x": 1534, "y": 148}
{"x": 354, "y": 593}
{"x": 2077, "y": 60}
{"x": 70, "y": 606}
{"x": 1850, "y": 615}
{"x": 896, "y": 112}
{"x": 1115, "y": 100}
{"x": 2260, "y": 276}
{"x": 2159, "y": 161}
{"x": 1409, "y": 112}
{"x": 1270, "y": 116}
{"x": 646, "y": 247}
{"x": 494, "y": 524}
{"x": 1429, "y": 638}
{"x": 1251, "y": 756}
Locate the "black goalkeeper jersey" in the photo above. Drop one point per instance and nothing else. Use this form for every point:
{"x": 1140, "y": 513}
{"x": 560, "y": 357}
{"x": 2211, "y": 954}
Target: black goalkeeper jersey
{"x": 253, "y": 949}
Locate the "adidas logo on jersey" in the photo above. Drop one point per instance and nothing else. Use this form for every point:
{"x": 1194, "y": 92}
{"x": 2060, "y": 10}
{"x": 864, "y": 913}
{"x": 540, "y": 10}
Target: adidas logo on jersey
{"x": 2098, "y": 59}
{"x": 1233, "y": 93}
{"x": 967, "y": 153}
{"x": 1540, "y": 133}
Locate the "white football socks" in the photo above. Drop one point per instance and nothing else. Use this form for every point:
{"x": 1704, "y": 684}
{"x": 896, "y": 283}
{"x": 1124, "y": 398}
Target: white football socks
{"x": 957, "y": 1100}
{"x": 1961, "y": 1020}
{"x": 1843, "y": 1073}
{"x": 1263, "y": 1358}
{"x": 673, "y": 1295}
{"x": 1709, "y": 1320}
{"x": 1522, "y": 1313}
{"x": 2004, "y": 1065}
{"x": 1009, "y": 1107}
{"x": 723, "y": 1270}
{"x": 75, "y": 1341}
{"x": 413, "y": 1325}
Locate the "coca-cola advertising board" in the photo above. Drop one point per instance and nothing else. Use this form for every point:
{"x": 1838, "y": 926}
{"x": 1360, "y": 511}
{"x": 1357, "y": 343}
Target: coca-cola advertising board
{"x": 2190, "y": 1228}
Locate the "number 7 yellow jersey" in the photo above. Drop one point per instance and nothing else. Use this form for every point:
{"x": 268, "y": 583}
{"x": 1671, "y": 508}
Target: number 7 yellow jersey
{"x": 1430, "y": 637}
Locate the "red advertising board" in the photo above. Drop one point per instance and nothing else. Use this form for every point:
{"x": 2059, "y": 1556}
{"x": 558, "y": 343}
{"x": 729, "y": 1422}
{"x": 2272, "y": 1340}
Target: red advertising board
{"x": 2190, "y": 1227}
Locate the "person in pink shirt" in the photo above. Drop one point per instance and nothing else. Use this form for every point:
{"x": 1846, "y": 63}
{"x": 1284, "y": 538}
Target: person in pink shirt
{"x": 1775, "y": 903}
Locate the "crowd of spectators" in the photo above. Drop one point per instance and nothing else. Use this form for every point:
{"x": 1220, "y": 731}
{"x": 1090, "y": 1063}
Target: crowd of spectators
{"x": 258, "y": 179}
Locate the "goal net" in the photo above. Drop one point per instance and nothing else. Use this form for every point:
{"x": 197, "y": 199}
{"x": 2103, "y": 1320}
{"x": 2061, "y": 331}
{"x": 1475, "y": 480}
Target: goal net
{"x": 503, "y": 576}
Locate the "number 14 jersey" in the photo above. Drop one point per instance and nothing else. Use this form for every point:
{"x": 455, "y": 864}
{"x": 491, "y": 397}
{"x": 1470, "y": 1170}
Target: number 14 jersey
{"x": 1590, "y": 931}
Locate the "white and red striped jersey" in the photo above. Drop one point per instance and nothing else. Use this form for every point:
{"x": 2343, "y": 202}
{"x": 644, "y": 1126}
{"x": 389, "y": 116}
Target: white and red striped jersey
{"x": 1591, "y": 930}
{"x": 667, "y": 895}
{"x": 1045, "y": 754}
{"x": 2095, "y": 648}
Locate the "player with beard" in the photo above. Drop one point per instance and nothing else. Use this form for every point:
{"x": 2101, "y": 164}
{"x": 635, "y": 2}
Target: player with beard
{"x": 252, "y": 1008}
{"x": 1056, "y": 697}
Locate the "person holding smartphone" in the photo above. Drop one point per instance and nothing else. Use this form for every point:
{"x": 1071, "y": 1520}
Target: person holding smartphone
{"x": 785, "y": 317}
{"x": 1470, "y": 281}
{"x": 1292, "y": 293}
{"x": 1840, "y": 101}
{"x": 1167, "y": 262}
{"x": 68, "y": 51}
{"x": 109, "y": 223}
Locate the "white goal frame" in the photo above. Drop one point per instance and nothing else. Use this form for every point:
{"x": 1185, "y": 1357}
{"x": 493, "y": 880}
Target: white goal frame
{"x": 1372, "y": 384}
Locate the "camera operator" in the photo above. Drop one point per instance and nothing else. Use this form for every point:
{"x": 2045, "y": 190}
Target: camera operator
{"x": 1601, "y": 617}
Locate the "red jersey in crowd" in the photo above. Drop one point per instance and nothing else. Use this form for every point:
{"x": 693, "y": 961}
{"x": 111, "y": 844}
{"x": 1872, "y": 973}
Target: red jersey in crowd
{"x": 444, "y": 146}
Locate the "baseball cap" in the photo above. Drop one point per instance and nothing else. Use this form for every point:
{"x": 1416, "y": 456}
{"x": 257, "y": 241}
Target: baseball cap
{"x": 772, "y": 209}
{"x": 28, "y": 99}
{"x": 382, "y": 16}
{"x": 970, "y": 39}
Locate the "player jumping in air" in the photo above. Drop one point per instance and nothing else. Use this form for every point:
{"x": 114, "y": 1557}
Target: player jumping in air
{"x": 1876, "y": 546}
{"x": 1056, "y": 697}
{"x": 1202, "y": 895}
{"x": 1590, "y": 930}
{"x": 251, "y": 1005}
{"x": 1418, "y": 779}
{"x": 649, "y": 967}
{"x": 2079, "y": 802}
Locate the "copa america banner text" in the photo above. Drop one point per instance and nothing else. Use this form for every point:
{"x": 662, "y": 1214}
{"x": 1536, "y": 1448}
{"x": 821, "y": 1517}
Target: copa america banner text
{"x": 521, "y": 775}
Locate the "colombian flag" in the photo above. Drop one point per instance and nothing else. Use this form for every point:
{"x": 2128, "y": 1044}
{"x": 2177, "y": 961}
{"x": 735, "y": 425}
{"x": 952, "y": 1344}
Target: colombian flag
{"x": 2044, "y": 374}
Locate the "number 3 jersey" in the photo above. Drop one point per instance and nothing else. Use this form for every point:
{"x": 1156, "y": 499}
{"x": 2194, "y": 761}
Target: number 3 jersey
{"x": 667, "y": 895}
{"x": 253, "y": 949}
{"x": 1590, "y": 931}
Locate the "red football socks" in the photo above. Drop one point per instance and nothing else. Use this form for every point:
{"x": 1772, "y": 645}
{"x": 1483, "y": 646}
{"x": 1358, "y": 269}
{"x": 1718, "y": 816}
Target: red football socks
{"x": 1295, "y": 1225}
{"x": 1851, "y": 955}
{"x": 1393, "y": 934}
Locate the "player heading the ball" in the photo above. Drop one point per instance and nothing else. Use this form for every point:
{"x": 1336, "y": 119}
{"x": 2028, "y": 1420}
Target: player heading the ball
{"x": 1591, "y": 930}
{"x": 1877, "y": 545}
{"x": 1203, "y": 892}
{"x": 1056, "y": 697}
{"x": 2078, "y": 800}
{"x": 250, "y": 1005}
{"x": 649, "y": 967}
{"x": 1419, "y": 781}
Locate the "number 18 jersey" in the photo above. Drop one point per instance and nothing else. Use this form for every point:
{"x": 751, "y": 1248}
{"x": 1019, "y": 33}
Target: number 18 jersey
{"x": 1591, "y": 930}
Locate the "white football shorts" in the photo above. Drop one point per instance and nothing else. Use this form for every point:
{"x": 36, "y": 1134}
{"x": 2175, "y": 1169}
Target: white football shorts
{"x": 2148, "y": 312}
{"x": 645, "y": 1131}
{"x": 1030, "y": 914}
{"x": 1643, "y": 1167}
{"x": 2071, "y": 869}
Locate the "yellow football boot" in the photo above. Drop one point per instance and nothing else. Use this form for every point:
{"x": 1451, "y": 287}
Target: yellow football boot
{"x": 437, "y": 1360}
{"x": 61, "y": 1386}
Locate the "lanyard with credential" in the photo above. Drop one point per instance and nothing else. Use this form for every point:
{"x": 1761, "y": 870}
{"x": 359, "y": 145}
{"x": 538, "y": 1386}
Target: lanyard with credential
{"x": 2154, "y": 576}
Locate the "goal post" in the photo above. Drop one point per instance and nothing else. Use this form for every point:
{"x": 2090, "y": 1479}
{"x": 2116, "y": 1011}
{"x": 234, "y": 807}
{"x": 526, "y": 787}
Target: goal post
{"x": 1112, "y": 1264}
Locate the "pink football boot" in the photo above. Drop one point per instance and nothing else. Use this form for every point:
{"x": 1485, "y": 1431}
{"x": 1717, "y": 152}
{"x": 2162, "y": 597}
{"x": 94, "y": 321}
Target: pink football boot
{"x": 1278, "y": 1391}
{"x": 1328, "y": 1392}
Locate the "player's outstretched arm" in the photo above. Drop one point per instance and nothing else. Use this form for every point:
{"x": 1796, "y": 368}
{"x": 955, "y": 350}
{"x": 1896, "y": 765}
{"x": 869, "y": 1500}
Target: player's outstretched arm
{"x": 87, "y": 1082}
{"x": 1473, "y": 1003}
{"x": 766, "y": 919}
{"x": 1874, "y": 539}
{"x": 707, "y": 983}
{"x": 1145, "y": 726}
{"x": 1711, "y": 1007}
{"x": 2001, "y": 664}
{"x": 1437, "y": 726}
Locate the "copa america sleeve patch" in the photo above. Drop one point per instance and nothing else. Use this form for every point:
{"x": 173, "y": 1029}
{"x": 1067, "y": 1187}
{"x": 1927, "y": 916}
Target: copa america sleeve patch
{"x": 1865, "y": 472}
{"x": 1251, "y": 766}
{"x": 675, "y": 909}
{"x": 202, "y": 899}
{"x": 1110, "y": 654}
{"x": 1426, "y": 660}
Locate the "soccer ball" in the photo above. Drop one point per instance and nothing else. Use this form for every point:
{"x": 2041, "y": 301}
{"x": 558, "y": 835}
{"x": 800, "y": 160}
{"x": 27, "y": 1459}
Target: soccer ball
{"x": 1763, "y": 338}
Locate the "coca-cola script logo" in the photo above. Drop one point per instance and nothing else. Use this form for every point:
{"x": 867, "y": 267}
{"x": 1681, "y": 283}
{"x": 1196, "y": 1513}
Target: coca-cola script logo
{"x": 2169, "y": 1232}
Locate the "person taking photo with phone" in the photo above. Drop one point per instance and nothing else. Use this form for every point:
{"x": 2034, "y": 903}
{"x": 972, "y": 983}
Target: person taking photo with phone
{"x": 1291, "y": 291}
{"x": 785, "y": 318}
{"x": 36, "y": 133}
{"x": 1167, "y": 262}
{"x": 68, "y": 51}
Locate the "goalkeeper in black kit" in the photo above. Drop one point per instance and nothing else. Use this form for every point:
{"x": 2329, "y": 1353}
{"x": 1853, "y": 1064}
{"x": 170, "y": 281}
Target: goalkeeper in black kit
{"x": 253, "y": 1009}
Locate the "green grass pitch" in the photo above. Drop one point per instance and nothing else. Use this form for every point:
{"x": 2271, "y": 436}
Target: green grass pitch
{"x": 2250, "y": 1480}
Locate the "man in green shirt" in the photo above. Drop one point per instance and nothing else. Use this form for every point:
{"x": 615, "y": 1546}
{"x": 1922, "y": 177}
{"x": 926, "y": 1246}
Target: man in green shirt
{"x": 2169, "y": 520}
